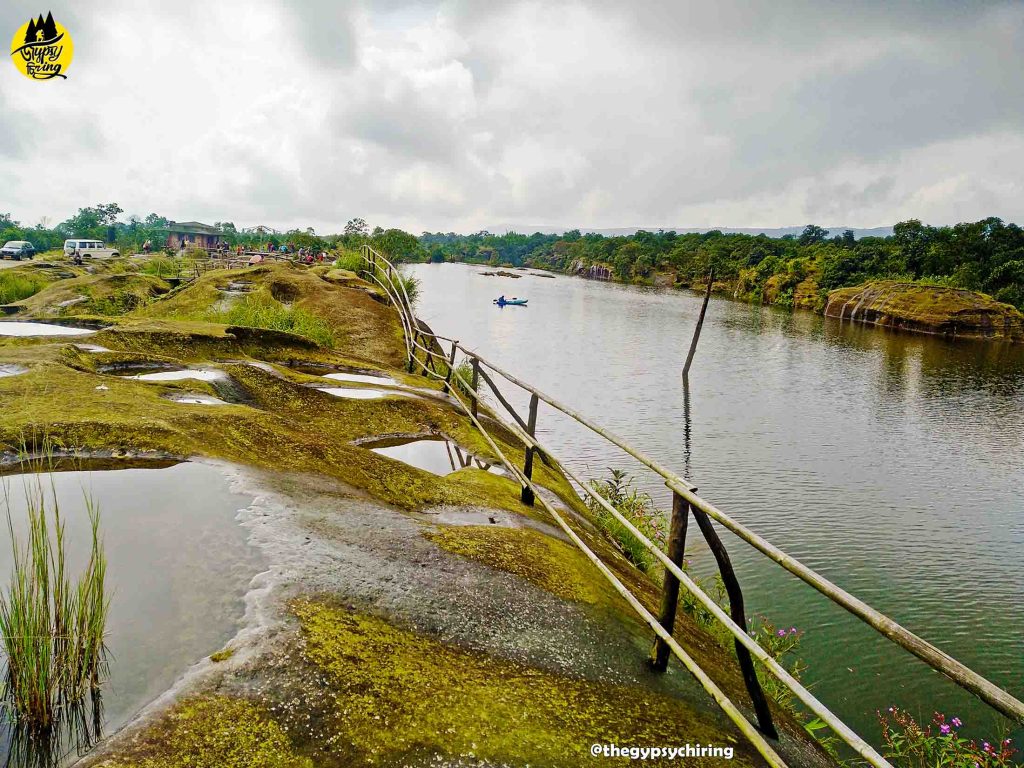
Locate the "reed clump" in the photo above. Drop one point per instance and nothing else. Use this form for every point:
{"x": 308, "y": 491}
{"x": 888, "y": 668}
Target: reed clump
{"x": 52, "y": 626}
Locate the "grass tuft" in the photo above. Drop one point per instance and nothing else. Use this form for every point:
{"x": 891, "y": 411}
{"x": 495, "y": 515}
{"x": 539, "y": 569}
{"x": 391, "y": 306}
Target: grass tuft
{"x": 15, "y": 287}
{"x": 52, "y": 628}
{"x": 260, "y": 310}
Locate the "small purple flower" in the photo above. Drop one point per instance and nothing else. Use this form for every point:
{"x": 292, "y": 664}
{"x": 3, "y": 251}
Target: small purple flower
{"x": 986, "y": 746}
{"x": 1006, "y": 742}
{"x": 956, "y": 721}
{"x": 944, "y": 728}
{"x": 782, "y": 633}
{"x": 792, "y": 630}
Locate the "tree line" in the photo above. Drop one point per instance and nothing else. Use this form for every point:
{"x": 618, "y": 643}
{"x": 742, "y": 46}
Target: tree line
{"x": 105, "y": 222}
{"x": 986, "y": 256}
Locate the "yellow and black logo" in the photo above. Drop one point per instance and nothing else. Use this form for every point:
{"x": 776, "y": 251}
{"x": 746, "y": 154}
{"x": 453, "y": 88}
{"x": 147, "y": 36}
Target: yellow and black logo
{"x": 42, "y": 49}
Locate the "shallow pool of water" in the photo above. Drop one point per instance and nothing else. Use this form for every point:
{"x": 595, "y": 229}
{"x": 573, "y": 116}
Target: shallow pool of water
{"x": 361, "y": 393}
{"x": 9, "y": 369}
{"x": 361, "y": 378}
{"x": 433, "y": 454}
{"x": 202, "y": 374}
{"x": 8, "y": 328}
{"x": 178, "y": 568}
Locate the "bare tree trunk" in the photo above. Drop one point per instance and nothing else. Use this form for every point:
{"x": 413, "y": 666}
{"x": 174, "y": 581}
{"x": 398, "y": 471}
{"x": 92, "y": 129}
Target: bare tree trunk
{"x": 700, "y": 322}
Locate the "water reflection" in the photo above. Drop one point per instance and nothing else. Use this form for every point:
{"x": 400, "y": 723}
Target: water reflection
{"x": 78, "y": 729}
{"x": 178, "y": 566}
{"x": 891, "y": 462}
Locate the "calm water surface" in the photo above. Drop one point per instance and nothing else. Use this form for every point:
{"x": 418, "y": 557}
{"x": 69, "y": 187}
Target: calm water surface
{"x": 178, "y": 568}
{"x": 891, "y": 463}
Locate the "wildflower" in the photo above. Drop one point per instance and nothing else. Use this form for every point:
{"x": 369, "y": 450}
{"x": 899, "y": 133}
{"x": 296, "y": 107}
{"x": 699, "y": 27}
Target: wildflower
{"x": 944, "y": 728}
{"x": 986, "y": 746}
{"x": 792, "y": 630}
{"x": 956, "y": 721}
{"x": 782, "y": 633}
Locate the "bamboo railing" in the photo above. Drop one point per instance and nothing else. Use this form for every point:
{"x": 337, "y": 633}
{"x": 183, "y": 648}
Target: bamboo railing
{"x": 425, "y": 350}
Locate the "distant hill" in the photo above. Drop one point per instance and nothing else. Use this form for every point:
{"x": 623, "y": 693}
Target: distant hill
{"x": 858, "y": 232}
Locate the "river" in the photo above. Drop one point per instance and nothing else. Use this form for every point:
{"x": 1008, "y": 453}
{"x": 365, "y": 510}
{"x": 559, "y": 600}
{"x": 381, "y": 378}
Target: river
{"x": 891, "y": 463}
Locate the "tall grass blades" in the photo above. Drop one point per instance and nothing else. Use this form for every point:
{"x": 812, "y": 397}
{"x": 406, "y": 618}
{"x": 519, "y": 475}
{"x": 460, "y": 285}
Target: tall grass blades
{"x": 52, "y": 627}
{"x": 17, "y": 287}
{"x": 261, "y": 310}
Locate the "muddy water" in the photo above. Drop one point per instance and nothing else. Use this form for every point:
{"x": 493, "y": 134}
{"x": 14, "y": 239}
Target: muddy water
{"x": 179, "y": 566}
{"x": 892, "y": 463}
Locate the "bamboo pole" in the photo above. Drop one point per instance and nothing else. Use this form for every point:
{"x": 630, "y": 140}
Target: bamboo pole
{"x": 700, "y": 323}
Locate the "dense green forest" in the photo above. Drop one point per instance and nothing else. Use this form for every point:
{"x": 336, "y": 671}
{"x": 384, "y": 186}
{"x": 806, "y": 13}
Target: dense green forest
{"x": 986, "y": 256}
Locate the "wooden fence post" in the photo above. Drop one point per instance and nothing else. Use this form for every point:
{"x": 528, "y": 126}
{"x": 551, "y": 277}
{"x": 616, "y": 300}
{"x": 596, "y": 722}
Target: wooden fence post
{"x": 475, "y": 384}
{"x": 670, "y": 590}
{"x": 736, "y": 611}
{"x": 700, "y": 322}
{"x": 531, "y": 427}
{"x": 451, "y": 367}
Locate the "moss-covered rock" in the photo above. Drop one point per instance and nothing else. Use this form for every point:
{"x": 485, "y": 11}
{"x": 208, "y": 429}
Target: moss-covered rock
{"x": 401, "y": 698}
{"x": 927, "y": 309}
{"x": 211, "y": 732}
{"x": 547, "y": 562}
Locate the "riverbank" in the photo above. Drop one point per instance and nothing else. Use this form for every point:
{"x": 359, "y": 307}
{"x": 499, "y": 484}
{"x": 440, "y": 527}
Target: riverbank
{"x": 908, "y": 306}
{"x": 407, "y": 617}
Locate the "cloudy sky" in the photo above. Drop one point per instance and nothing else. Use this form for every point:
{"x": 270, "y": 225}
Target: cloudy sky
{"x": 483, "y": 113}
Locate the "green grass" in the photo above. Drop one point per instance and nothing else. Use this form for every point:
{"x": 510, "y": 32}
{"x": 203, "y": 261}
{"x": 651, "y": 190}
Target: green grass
{"x": 52, "y": 628}
{"x": 260, "y": 310}
{"x": 351, "y": 261}
{"x": 15, "y": 287}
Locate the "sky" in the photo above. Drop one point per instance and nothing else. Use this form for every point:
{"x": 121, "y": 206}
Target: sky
{"x": 464, "y": 115}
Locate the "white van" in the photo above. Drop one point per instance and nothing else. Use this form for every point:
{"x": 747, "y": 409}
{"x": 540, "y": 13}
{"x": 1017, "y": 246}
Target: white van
{"x": 94, "y": 248}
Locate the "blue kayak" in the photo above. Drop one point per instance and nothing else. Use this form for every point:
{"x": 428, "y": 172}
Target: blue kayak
{"x": 511, "y": 302}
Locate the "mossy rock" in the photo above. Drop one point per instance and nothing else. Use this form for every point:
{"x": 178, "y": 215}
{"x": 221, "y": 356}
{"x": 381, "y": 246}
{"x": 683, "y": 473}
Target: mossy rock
{"x": 547, "y": 562}
{"x": 927, "y": 309}
{"x": 211, "y": 732}
{"x": 402, "y": 698}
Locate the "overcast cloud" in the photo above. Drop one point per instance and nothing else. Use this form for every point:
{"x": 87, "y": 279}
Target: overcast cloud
{"x": 461, "y": 115}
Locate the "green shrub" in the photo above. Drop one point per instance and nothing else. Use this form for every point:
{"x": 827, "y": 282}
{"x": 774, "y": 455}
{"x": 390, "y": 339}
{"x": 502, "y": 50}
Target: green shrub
{"x": 638, "y": 508}
{"x": 350, "y": 260}
{"x": 15, "y": 287}
{"x": 261, "y": 310}
{"x": 939, "y": 743}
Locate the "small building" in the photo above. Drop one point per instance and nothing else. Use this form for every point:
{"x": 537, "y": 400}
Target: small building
{"x": 193, "y": 233}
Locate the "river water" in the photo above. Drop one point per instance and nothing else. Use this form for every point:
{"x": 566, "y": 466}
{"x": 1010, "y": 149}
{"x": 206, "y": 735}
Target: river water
{"x": 891, "y": 463}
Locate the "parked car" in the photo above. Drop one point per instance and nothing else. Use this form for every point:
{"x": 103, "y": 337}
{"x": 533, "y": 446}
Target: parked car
{"x": 17, "y": 250}
{"x": 89, "y": 248}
